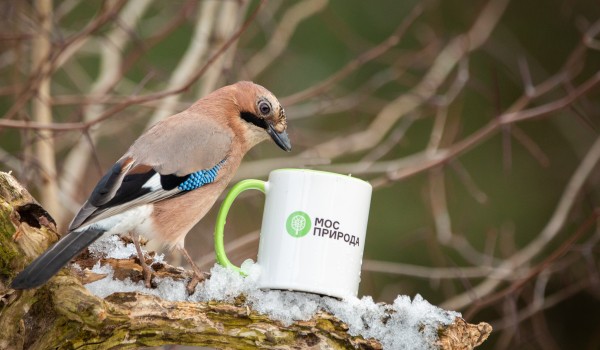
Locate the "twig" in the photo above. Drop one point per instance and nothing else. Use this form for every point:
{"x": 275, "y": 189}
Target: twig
{"x": 282, "y": 34}
{"x": 529, "y": 144}
{"x": 230, "y": 17}
{"x": 160, "y": 35}
{"x": 562, "y": 250}
{"x": 439, "y": 206}
{"x": 370, "y": 55}
{"x": 421, "y": 161}
{"x": 63, "y": 52}
{"x": 468, "y": 182}
{"x": 76, "y": 162}
{"x": 395, "y": 137}
{"x": 589, "y": 39}
{"x": 551, "y": 229}
{"x": 361, "y": 99}
{"x": 257, "y": 168}
{"x": 549, "y": 301}
{"x": 426, "y": 272}
{"x": 198, "y": 46}
{"x": 134, "y": 99}
{"x": 445, "y": 62}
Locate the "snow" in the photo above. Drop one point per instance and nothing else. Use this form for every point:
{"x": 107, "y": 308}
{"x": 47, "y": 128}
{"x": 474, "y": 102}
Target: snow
{"x": 111, "y": 246}
{"x": 405, "y": 324}
{"x": 167, "y": 288}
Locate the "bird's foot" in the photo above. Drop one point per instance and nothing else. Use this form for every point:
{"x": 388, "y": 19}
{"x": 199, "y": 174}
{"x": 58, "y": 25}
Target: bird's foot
{"x": 146, "y": 271}
{"x": 147, "y": 275}
{"x": 197, "y": 277}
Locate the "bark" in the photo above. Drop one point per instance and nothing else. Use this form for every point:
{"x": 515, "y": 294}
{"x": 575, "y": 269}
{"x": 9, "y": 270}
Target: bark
{"x": 63, "y": 314}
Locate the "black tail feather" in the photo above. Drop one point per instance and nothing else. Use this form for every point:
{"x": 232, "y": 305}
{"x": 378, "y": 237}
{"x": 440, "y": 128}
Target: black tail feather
{"x": 53, "y": 259}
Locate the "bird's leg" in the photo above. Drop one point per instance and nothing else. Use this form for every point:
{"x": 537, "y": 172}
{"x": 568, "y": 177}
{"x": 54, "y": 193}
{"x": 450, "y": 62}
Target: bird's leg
{"x": 198, "y": 277}
{"x": 145, "y": 268}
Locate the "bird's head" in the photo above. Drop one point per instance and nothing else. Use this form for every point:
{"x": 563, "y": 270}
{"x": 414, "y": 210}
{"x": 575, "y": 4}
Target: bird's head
{"x": 260, "y": 115}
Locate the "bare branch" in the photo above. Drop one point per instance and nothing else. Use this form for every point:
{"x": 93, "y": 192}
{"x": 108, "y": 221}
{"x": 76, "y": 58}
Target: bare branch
{"x": 421, "y": 161}
{"x": 77, "y": 160}
{"x": 398, "y": 108}
{"x": 351, "y": 66}
{"x": 426, "y": 272}
{"x": 197, "y": 48}
{"x": 58, "y": 56}
{"x": 134, "y": 99}
{"x": 230, "y": 18}
{"x": 282, "y": 35}
{"x": 552, "y": 228}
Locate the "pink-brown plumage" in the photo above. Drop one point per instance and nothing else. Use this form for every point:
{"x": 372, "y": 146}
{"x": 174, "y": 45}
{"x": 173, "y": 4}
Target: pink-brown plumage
{"x": 150, "y": 189}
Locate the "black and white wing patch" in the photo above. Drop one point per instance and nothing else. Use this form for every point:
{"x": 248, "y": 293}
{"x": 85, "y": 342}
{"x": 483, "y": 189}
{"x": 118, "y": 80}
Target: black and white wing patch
{"x": 126, "y": 186}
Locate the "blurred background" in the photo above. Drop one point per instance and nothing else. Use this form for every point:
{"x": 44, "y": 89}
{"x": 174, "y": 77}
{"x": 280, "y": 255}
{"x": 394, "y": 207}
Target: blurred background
{"x": 477, "y": 123}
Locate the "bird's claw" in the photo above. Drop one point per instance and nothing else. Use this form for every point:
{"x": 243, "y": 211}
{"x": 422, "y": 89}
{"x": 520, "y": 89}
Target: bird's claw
{"x": 147, "y": 277}
{"x": 196, "y": 278}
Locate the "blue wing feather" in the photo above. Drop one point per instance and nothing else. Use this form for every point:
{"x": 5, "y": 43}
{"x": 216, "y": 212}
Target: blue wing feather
{"x": 200, "y": 178}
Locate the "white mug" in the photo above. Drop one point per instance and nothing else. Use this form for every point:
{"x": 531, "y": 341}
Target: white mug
{"x": 313, "y": 231}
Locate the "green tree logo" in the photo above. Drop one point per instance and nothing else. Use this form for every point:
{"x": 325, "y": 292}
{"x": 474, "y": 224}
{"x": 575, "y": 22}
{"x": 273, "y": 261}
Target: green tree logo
{"x": 298, "y": 224}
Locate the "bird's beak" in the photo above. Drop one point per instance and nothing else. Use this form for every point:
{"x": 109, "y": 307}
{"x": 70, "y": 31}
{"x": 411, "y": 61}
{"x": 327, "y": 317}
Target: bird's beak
{"x": 281, "y": 138}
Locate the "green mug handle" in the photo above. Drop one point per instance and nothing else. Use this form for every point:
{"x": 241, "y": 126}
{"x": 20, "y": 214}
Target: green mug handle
{"x": 235, "y": 191}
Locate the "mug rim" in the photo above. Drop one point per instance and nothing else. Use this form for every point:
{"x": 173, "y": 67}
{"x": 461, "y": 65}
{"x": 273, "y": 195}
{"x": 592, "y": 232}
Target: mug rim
{"x": 347, "y": 177}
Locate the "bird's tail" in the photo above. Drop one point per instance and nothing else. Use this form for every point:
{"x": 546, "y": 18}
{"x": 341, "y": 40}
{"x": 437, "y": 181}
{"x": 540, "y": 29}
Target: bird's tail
{"x": 57, "y": 256}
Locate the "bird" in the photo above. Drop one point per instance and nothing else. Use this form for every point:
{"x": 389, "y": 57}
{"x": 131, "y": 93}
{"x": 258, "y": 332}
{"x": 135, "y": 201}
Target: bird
{"x": 169, "y": 177}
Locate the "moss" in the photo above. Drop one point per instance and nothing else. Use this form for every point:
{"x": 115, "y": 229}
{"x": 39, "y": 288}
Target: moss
{"x": 8, "y": 249}
{"x": 325, "y": 325}
{"x": 7, "y": 229}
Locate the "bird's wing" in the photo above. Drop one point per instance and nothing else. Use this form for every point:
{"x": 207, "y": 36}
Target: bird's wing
{"x": 183, "y": 144}
{"x": 175, "y": 156}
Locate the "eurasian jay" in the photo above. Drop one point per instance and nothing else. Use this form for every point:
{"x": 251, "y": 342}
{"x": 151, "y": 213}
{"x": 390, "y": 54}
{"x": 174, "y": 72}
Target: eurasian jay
{"x": 170, "y": 177}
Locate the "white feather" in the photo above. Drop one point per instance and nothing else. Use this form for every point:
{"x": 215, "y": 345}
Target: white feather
{"x": 136, "y": 219}
{"x": 153, "y": 183}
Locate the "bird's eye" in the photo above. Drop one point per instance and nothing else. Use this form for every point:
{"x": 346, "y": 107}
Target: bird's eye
{"x": 264, "y": 108}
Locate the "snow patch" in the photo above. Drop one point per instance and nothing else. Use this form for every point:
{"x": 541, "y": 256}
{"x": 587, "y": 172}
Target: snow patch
{"x": 111, "y": 246}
